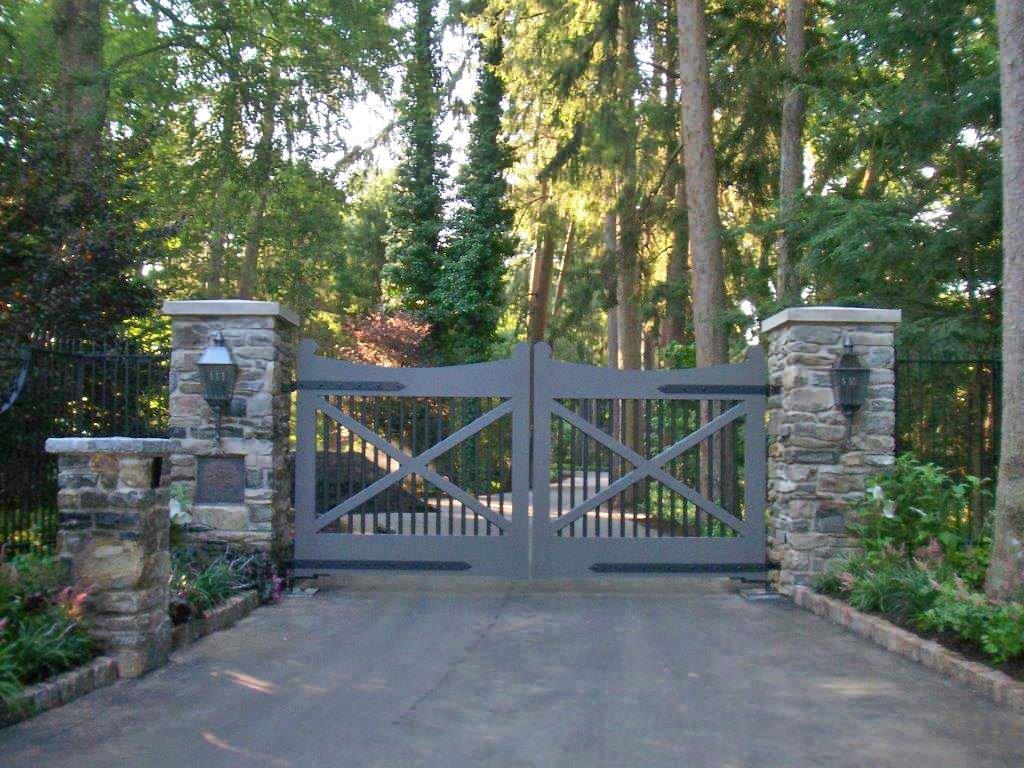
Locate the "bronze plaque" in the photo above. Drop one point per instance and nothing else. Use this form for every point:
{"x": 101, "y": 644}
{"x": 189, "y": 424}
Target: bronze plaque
{"x": 220, "y": 480}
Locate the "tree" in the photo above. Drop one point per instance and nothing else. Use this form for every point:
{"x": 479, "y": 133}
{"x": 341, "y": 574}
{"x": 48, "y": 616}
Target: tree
{"x": 628, "y": 287}
{"x": 472, "y": 286}
{"x": 72, "y": 240}
{"x": 708, "y": 270}
{"x": 541, "y": 268}
{"x": 791, "y": 166}
{"x": 1005, "y": 576}
{"x": 415, "y": 253}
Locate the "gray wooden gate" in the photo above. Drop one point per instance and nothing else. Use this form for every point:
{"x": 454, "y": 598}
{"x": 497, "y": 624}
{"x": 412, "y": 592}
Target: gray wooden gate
{"x": 431, "y": 468}
{"x": 650, "y": 471}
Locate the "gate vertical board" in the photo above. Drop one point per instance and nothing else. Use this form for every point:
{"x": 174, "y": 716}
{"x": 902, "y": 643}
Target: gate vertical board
{"x": 429, "y": 468}
{"x": 677, "y": 528}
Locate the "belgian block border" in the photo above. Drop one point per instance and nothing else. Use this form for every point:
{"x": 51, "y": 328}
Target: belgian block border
{"x": 991, "y": 683}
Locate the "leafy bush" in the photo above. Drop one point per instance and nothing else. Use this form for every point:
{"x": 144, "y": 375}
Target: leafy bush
{"x": 913, "y": 506}
{"x": 200, "y": 582}
{"x": 40, "y": 630}
{"x": 918, "y": 565}
{"x": 998, "y": 629}
{"x": 886, "y": 585}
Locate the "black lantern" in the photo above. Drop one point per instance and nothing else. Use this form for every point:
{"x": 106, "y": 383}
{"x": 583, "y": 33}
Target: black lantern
{"x": 218, "y": 371}
{"x": 850, "y": 381}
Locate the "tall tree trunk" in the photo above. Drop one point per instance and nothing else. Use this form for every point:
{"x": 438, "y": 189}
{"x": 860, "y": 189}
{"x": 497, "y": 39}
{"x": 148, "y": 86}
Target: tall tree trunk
{"x": 791, "y": 167}
{"x": 707, "y": 276}
{"x": 540, "y": 276}
{"x": 673, "y": 326}
{"x": 611, "y": 289}
{"x": 264, "y": 162}
{"x": 81, "y": 99}
{"x": 1005, "y": 576}
{"x": 567, "y": 254}
{"x": 628, "y": 291}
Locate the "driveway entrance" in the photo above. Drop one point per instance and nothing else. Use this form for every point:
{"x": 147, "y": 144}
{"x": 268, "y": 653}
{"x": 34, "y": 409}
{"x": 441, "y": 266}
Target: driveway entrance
{"x": 435, "y": 674}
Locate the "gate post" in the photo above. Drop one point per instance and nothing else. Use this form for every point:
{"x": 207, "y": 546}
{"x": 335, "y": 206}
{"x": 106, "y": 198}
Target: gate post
{"x": 113, "y": 538}
{"x": 817, "y": 461}
{"x": 255, "y": 430}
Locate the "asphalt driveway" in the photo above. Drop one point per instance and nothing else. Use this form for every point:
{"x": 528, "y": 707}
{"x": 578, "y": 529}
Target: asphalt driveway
{"x": 495, "y": 675}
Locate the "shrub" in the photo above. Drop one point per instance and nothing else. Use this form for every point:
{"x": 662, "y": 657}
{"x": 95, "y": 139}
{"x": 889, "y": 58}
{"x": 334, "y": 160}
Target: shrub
{"x": 998, "y": 629}
{"x": 200, "y": 582}
{"x": 887, "y": 585}
{"x": 40, "y": 632}
{"x": 912, "y": 507}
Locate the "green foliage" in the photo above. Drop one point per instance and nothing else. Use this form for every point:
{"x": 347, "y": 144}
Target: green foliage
{"x": 470, "y": 297}
{"x": 996, "y": 628}
{"x": 918, "y": 566}
{"x": 677, "y": 355}
{"x": 913, "y": 506}
{"x": 40, "y": 633}
{"x": 898, "y": 590}
{"x": 415, "y": 252}
{"x": 202, "y": 582}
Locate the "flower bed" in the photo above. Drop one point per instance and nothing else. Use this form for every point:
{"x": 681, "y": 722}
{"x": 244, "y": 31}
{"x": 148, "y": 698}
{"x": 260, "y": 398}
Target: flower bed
{"x": 41, "y": 634}
{"x": 922, "y": 570}
{"x": 200, "y": 582}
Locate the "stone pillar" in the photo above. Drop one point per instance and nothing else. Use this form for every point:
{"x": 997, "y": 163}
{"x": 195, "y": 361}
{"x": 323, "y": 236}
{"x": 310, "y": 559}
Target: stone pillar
{"x": 815, "y": 467}
{"x": 255, "y": 430}
{"x": 113, "y": 538}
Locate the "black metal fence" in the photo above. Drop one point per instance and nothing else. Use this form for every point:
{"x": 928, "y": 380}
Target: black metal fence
{"x": 70, "y": 388}
{"x": 947, "y": 412}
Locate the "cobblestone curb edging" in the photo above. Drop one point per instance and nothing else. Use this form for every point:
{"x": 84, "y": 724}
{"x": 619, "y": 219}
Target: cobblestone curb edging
{"x": 216, "y": 619}
{"x": 995, "y": 685}
{"x": 63, "y": 688}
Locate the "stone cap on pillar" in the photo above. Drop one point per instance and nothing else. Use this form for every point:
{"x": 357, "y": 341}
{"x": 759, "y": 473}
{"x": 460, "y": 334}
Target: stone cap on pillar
{"x": 140, "y": 446}
{"x": 230, "y": 308}
{"x": 832, "y": 316}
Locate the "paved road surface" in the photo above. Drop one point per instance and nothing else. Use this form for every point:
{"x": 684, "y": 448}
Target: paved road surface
{"x": 432, "y": 672}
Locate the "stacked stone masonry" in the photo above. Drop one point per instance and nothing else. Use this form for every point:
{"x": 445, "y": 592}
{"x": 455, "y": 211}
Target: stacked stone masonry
{"x": 113, "y": 539}
{"x": 261, "y": 336}
{"x": 818, "y": 463}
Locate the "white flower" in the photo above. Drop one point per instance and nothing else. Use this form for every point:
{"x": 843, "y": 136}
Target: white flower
{"x": 876, "y": 492}
{"x": 889, "y": 509}
{"x": 178, "y": 515}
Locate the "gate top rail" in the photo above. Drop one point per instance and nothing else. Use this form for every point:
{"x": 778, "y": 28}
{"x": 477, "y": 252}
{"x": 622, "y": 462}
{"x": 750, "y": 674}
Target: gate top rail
{"x": 329, "y": 376}
{"x": 734, "y": 381}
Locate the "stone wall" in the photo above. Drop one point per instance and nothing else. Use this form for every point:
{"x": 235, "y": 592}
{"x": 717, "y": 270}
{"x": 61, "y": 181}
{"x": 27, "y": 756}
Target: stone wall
{"x": 817, "y": 462}
{"x": 261, "y": 336}
{"x": 113, "y": 538}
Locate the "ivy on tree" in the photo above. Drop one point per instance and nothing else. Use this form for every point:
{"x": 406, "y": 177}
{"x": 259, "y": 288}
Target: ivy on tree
{"x": 415, "y": 251}
{"x": 470, "y": 298}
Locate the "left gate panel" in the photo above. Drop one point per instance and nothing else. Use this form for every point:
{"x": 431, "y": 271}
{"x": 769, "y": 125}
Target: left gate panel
{"x": 412, "y": 468}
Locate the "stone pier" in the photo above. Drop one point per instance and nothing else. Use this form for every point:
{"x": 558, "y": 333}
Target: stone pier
{"x": 113, "y": 539}
{"x": 817, "y": 462}
{"x": 248, "y": 501}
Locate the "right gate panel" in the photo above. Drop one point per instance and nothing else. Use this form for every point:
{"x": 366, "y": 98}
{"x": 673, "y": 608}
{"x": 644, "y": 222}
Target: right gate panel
{"x": 648, "y": 471}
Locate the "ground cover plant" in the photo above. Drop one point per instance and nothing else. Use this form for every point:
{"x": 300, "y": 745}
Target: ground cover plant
{"x": 201, "y": 581}
{"x": 921, "y": 567}
{"x": 41, "y": 633}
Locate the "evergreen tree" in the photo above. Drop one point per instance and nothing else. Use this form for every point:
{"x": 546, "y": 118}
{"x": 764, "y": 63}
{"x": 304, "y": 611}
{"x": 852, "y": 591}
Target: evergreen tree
{"x": 471, "y": 297}
{"x": 415, "y": 251}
